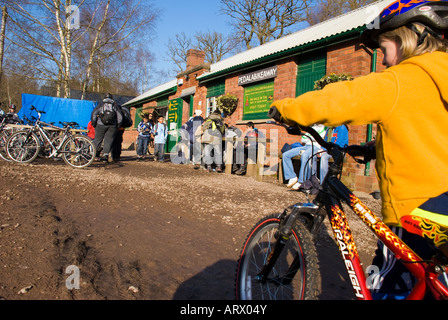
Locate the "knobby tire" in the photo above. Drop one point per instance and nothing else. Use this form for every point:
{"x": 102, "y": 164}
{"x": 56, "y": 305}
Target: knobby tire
{"x": 256, "y": 249}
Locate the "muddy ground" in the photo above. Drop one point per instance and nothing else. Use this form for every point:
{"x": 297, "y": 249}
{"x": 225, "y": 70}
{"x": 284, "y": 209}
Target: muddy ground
{"x": 140, "y": 231}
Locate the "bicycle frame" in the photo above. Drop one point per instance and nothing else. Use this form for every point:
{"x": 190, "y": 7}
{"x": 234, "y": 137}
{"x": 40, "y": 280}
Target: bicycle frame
{"x": 330, "y": 196}
{"x": 425, "y": 273}
{"x": 45, "y": 138}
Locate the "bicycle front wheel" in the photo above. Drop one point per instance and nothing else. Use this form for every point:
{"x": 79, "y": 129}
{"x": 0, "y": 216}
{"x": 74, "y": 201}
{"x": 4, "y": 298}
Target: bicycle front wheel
{"x": 295, "y": 274}
{"x": 23, "y": 147}
{"x": 78, "y": 151}
{"x": 4, "y": 136}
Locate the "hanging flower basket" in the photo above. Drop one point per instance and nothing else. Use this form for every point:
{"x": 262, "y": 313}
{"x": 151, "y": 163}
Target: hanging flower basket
{"x": 227, "y": 104}
{"x": 331, "y": 78}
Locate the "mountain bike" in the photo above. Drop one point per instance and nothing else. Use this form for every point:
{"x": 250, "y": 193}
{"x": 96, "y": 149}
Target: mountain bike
{"x": 279, "y": 260}
{"x": 76, "y": 150}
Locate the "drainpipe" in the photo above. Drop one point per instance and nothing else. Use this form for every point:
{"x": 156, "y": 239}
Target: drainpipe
{"x": 369, "y": 126}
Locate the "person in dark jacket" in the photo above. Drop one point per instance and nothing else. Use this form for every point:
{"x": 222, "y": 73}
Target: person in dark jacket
{"x": 106, "y": 132}
{"x": 118, "y": 140}
{"x": 195, "y": 140}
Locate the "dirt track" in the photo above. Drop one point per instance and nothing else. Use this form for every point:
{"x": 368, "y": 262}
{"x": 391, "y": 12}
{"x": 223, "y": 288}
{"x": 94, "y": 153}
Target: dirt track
{"x": 139, "y": 230}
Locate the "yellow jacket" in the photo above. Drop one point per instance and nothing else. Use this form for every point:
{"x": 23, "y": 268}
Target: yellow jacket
{"x": 409, "y": 103}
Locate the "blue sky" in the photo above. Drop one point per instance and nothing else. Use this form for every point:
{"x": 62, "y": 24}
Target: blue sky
{"x": 179, "y": 16}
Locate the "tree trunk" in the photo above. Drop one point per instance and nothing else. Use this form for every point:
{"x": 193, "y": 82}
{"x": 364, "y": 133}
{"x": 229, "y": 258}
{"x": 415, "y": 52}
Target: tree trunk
{"x": 2, "y": 40}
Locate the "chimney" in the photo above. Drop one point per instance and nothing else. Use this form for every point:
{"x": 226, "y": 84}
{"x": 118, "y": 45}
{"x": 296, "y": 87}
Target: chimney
{"x": 195, "y": 58}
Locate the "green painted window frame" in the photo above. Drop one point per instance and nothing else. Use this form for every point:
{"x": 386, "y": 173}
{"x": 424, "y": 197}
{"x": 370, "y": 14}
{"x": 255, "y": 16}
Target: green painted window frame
{"x": 310, "y": 67}
{"x": 216, "y": 88}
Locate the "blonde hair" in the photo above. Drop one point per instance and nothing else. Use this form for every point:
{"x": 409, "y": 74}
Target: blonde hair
{"x": 407, "y": 39}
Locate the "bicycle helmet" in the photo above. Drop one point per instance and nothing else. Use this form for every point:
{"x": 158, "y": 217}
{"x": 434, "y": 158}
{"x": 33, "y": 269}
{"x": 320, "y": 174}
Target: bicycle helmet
{"x": 433, "y": 15}
{"x": 12, "y": 107}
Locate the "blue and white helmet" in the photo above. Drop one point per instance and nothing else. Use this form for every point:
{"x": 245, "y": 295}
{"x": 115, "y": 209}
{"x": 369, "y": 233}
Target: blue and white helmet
{"x": 433, "y": 15}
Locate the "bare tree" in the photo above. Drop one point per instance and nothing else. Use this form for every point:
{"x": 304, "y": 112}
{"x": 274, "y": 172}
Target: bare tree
{"x": 215, "y": 45}
{"x": 43, "y": 36}
{"x": 259, "y": 21}
{"x": 116, "y": 32}
{"x": 323, "y": 10}
{"x": 177, "y": 50}
{"x": 2, "y": 39}
{"x": 40, "y": 30}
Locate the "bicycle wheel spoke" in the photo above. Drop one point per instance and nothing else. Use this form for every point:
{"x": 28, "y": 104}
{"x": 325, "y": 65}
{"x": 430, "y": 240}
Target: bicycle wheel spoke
{"x": 78, "y": 151}
{"x": 22, "y": 147}
{"x": 288, "y": 278}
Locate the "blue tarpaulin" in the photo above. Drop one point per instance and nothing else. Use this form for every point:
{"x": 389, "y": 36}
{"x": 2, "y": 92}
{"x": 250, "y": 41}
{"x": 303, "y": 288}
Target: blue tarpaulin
{"x": 57, "y": 109}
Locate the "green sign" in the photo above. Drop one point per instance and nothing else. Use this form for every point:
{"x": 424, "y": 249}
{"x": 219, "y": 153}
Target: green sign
{"x": 174, "y": 116}
{"x": 257, "y": 100}
{"x": 174, "y": 122}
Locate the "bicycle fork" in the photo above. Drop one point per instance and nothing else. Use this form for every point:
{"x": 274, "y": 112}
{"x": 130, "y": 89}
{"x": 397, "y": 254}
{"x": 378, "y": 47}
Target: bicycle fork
{"x": 284, "y": 235}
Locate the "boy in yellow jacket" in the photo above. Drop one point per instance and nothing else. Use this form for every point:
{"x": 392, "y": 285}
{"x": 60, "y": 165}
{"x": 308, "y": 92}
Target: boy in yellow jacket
{"x": 409, "y": 103}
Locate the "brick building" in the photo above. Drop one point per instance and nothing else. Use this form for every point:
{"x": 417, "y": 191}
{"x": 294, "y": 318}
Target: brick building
{"x": 283, "y": 68}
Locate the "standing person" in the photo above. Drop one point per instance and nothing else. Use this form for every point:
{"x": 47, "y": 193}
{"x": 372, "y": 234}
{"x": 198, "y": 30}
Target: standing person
{"x": 90, "y": 131}
{"x": 408, "y": 102}
{"x": 339, "y": 136}
{"x": 308, "y": 148}
{"x": 118, "y": 140}
{"x": 160, "y": 135}
{"x": 151, "y": 139}
{"x": 213, "y": 130}
{"x": 195, "y": 141}
{"x": 106, "y": 118}
{"x": 12, "y": 116}
{"x": 145, "y": 130}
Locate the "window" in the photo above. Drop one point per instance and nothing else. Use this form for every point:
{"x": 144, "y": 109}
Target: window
{"x": 214, "y": 90}
{"x": 311, "y": 67}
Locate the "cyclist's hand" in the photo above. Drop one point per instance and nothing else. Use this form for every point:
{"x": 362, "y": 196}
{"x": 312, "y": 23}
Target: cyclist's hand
{"x": 366, "y": 151}
{"x": 275, "y": 112}
{"x": 295, "y": 130}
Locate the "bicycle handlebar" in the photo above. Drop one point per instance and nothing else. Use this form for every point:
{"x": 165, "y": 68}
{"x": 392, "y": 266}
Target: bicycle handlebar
{"x": 368, "y": 152}
{"x": 297, "y": 130}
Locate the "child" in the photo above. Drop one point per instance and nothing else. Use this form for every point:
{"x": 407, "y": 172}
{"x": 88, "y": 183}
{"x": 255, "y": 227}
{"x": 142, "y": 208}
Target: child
{"x": 160, "y": 135}
{"x": 145, "y": 130}
{"x": 90, "y": 130}
{"x": 408, "y": 102}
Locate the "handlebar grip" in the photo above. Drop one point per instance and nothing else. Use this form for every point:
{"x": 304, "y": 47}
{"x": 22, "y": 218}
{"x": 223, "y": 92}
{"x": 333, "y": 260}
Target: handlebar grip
{"x": 274, "y": 114}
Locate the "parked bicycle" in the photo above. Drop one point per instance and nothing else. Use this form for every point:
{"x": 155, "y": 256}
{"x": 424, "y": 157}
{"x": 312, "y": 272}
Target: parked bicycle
{"x": 5, "y": 132}
{"x": 279, "y": 259}
{"x": 76, "y": 150}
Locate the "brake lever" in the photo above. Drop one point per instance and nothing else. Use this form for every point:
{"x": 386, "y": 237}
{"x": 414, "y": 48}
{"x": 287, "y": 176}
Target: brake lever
{"x": 291, "y": 130}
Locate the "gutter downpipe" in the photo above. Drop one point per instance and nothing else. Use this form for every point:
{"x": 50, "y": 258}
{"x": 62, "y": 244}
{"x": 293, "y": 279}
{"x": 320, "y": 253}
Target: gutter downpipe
{"x": 370, "y": 126}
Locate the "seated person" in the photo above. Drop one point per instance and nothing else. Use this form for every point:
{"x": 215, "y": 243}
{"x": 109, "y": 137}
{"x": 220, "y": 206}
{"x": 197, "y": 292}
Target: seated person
{"x": 338, "y": 135}
{"x": 308, "y": 148}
